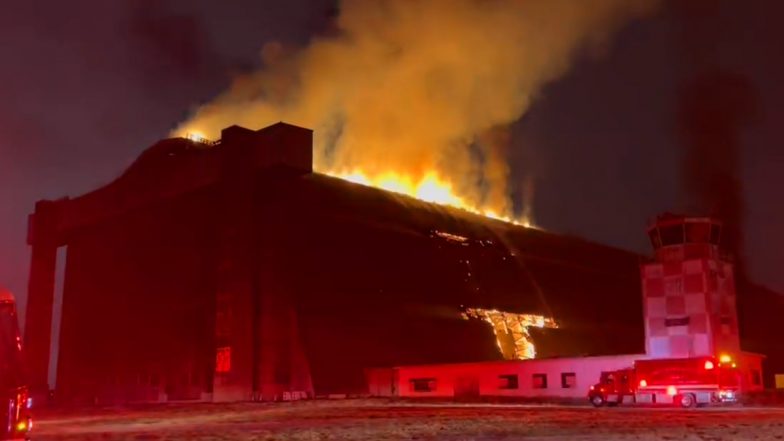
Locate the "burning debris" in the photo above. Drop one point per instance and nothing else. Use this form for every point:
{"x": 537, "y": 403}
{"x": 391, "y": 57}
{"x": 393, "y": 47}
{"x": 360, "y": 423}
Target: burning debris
{"x": 512, "y": 330}
{"x": 200, "y": 141}
{"x": 416, "y": 97}
{"x": 462, "y": 240}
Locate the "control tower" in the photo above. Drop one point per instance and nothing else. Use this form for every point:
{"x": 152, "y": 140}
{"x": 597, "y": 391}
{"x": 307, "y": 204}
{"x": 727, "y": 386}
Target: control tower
{"x": 689, "y": 290}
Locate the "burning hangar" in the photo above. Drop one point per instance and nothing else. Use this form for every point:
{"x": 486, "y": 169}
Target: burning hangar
{"x": 230, "y": 270}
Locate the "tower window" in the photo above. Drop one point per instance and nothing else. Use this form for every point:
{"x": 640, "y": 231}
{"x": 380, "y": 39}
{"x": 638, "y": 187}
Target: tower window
{"x": 671, "y": 235}
{"x": 680, "y": 321}
{"x": 698, "y": 232}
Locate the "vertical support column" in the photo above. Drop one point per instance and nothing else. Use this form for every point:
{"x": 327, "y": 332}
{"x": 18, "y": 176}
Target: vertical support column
{"x": 233, "y": 379}
{"x": 40, "y": 295}
{"x": 283, "y": 370}
{"x": 258, "y": 354}
{"x": 273, "y": 367}
{"x": 234, "y": 322}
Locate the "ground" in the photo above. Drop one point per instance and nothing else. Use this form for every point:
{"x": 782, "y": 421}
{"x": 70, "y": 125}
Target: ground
{"x": 390, "y": 420}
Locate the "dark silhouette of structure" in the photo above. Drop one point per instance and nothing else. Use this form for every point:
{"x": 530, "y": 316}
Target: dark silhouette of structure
{"x": 232, "y": 271}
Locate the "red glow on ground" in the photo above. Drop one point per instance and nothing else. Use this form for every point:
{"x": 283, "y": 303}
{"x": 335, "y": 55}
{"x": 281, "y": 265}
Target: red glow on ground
{"x": 390, "y": 421}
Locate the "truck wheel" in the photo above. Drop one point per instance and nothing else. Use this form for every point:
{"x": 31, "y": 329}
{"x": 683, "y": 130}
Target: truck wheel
{"x": 688, "y": 401}
{"x": 597, "y": 401}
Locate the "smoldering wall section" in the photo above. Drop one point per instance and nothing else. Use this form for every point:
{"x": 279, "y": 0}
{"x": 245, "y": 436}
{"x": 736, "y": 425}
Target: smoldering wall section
{"x": 413, "y": 87}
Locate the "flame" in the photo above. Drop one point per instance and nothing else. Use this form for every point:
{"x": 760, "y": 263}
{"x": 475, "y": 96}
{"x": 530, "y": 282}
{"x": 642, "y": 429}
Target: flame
{"x": 196, "y": 136}
{"x": 508, "y": 325}
{"x": 430, "y": 188}
{"x": 400, "y": 87}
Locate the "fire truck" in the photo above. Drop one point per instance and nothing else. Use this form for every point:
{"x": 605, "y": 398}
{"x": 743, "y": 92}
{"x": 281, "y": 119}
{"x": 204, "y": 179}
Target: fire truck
{"x": 15, "y": 404}
{"x": 685, "y": 382}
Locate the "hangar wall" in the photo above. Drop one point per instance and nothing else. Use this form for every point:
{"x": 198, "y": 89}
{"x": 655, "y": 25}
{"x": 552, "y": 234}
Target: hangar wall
{"x": 230, "y": 271}
{"x": 138, "y": 302}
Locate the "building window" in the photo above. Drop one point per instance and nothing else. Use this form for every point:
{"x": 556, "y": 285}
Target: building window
{"x": 756, "y": 378}
{"x": 568, "y": 380}
{"x": 672, "y": 235}
{"x": 223, "y": 360}
{"x": 698, "y": 232}
{"x": 680, "y": 321}
{"x": 508, "y": 381}
{"x": 540, "y": 381}
{"x": 423, "y": 384}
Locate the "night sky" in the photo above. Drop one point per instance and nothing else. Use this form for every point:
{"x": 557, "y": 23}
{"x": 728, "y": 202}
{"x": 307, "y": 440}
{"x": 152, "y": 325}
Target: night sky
{"x": 85, "y": 86}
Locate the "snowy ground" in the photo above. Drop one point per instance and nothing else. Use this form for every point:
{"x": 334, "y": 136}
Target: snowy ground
{"x": 385, "y": 420}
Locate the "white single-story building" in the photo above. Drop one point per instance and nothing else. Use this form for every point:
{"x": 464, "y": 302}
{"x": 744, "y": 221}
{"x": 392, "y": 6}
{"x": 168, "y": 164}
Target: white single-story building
{"x": 553, "y": 378}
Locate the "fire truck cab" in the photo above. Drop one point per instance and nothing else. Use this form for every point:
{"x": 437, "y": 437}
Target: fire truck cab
{"x": 685, "y": 382}
{"x": 15, "y": 404}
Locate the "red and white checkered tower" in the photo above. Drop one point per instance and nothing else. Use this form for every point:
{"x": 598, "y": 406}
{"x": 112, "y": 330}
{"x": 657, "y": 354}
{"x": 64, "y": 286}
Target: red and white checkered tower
{"x": 689, "y": 291}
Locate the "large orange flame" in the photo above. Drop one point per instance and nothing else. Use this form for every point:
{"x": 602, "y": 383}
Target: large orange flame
{"x": 430, "y": 188}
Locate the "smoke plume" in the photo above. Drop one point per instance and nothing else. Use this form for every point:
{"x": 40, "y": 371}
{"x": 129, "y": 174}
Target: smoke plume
{"x": 715, "y": 104}
{"x": 714, "y": 107}
{"x": 420, "y": 86}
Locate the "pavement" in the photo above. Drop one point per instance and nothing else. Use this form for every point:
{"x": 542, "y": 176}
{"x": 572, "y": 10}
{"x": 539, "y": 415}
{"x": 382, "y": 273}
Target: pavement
{"x": 394, "y": 420}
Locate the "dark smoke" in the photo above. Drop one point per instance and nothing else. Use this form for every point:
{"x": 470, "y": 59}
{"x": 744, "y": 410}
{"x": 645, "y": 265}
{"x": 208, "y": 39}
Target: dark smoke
{"x": 713, "y": 108}
{"x": 715, "y": 104}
